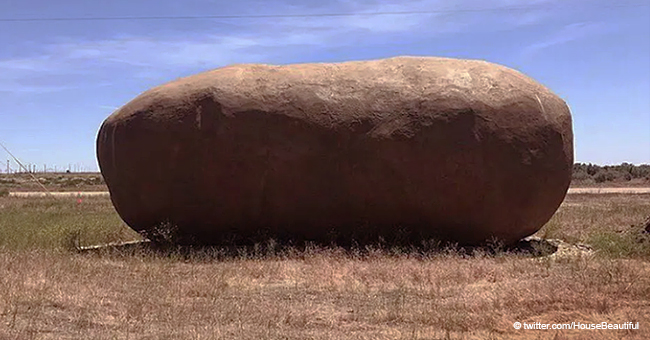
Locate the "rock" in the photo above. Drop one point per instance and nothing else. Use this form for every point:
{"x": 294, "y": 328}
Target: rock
{"x": 556, "y": 249}
{"x": 400, "y": 148}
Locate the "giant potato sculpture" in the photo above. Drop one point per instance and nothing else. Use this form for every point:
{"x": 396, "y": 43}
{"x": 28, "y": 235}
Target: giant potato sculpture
{"x": 416, "y": 147}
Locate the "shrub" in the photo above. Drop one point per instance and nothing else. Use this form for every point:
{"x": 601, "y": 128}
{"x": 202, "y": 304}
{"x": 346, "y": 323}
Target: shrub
{"x": 620, "y": 245}
{"x": 605, "y": 176}
{"x": 640, "y": 171}
{"x": 581, "y": 175}
{"x": 592, "y": 169}
{"x": 625, "y": 171}
{"x": 7, "y": 181}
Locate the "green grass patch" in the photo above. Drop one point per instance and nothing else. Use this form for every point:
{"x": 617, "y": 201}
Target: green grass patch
{"x": 60, "y": 223}
{"x": 598, "y": 218}
{"x": 603, "y": 221}
{"x": 621, "y": 245}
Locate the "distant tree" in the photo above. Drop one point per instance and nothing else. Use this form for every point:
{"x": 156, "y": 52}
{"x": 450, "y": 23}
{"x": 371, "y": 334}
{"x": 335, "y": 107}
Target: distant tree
{"x": 605, "y": 175}
{"x": 592, "y": 169}
{"x": 624, "y": 172}
{"x": 581, "y": 175}
{"x": 641, "y": 171}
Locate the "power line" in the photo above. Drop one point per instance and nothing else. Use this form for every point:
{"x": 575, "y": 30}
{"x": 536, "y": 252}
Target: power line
{"x": 313, "y": 15}
{"x": 24, "y": 168}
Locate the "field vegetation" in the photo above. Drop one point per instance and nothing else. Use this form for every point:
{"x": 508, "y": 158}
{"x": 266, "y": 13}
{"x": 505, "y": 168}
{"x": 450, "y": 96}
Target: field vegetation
{"x": 584, "y": 175}
{"x": 625, "y": 174}
{"x": 49, "y": 290}
{"x": 92, "y": 181}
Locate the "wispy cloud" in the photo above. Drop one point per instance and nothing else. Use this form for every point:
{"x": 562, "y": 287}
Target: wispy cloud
{"x": 21, "y": 88}
{"x": 108, "y": 107}
{"x": 155, "y": 56}
{"x": 566, "y": 34}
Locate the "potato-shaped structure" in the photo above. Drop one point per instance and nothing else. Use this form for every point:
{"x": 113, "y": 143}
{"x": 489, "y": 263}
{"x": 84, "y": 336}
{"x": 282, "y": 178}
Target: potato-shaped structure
{"x": 426, "y": 147}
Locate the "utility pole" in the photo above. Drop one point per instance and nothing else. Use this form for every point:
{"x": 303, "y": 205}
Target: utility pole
{"x": 7, "y": 166}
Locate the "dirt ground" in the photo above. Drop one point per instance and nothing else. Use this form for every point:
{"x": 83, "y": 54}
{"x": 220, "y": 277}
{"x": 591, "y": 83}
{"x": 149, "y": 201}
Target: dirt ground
{"x": 610, "y": 190}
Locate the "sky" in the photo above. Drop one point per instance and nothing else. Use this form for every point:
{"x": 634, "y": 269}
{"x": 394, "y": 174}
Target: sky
{"x": 60, "y": 79}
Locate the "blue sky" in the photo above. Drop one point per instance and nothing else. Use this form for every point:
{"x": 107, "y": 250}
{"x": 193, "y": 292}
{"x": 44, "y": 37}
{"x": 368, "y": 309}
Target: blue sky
{"x": 60, "y": 79}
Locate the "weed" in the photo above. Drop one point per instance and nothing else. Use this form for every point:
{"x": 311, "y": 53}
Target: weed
{"x": 621, "y": 245}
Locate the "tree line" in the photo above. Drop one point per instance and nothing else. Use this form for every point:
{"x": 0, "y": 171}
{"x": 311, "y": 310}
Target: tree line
{"x": 583, "y": 172}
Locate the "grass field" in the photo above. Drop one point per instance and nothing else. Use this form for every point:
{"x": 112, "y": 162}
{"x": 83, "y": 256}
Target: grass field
{"x": 93, "y": 181}
{"x": 48, "y": 291}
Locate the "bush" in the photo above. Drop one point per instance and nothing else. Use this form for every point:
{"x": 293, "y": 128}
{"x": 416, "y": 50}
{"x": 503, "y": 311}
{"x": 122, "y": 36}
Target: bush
{"x": 581, "y": 175}
{"x": 625, "y": 171}
{"x": 605, "y": 176}
{"x": 4, "y": 192}
{"x": 642, "y": 171}
{"x": 7, "y": 181}
{"x": 620, "y": 245}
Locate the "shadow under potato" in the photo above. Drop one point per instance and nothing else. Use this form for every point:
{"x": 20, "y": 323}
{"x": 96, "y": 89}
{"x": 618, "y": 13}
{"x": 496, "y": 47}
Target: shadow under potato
{"x": 167, "y": 234}
{"x": 164, "y": 242}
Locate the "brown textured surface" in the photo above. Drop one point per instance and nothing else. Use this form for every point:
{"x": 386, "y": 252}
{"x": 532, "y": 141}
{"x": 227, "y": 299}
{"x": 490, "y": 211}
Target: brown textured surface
{"x": 420, "y": 146}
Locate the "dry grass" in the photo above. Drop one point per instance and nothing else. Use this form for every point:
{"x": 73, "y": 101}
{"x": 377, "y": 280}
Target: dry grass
{"x": 320, "y": 293}
{"x": 93, "y": 181}
{"x": 633, "y": 183}
{"x": 53, "y": 182}
{"x": 324, "y": 295}
{"x": 609, "y": 222}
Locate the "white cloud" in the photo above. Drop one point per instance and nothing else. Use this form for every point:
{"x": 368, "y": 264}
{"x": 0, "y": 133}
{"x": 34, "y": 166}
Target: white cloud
{"x": 28, "y": 64}
{"x": 153, "y": 56}
{"x": 108, "y": 107}
{"x": 11, "y": 87}
{"x": 435, "y": 17}
{"x": 566, "y": 34}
